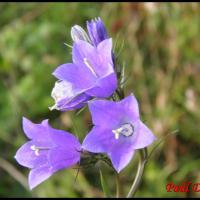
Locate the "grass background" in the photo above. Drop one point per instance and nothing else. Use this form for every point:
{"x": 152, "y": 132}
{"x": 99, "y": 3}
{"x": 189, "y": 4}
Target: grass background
{"x": 159, "y": 45}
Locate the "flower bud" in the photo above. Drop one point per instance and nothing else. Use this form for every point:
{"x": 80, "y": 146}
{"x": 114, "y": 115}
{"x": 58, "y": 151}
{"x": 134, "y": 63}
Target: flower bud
{"x": 78, "y": 33}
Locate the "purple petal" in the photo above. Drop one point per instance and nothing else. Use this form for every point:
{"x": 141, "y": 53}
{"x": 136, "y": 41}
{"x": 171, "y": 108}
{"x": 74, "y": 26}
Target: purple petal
{"x": 67, "y": 150}
{"x": 106, "y": 113}
{"x": 27, "y": 157}
{"x": 97, "y": 60}
{"x": 105, "y": 50}
{"x": 64, "y": 140}
{"x": 121, "y": 155}
{"x": 60, "y": 158}
{"x": 73, "y": 103}
{"x": 39, "y": 174}
{"x": 101, "y": 140}
{"x": 31, "y": 129}
{"x": 82, "y": 49}
{"x": 72, "y": 73}
{"x": 37, "y": 132}
{"x": 97, "y": 140}
{"x": 116, "y": 113}
{"x": 67, "y": 98}
{"x": 104, "y": 87}
{"x": 144, "y": 136}
{"x": 130, "y": 108}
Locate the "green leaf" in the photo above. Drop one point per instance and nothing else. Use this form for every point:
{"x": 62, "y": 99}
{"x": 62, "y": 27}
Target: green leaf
{"x": 104, "y": 185}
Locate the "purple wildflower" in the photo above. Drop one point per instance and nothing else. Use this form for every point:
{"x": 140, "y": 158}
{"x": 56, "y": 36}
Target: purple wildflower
{"x": 117, "y": 131}
{"x": 90, "y": 75}
{"x": 48, "y": 151}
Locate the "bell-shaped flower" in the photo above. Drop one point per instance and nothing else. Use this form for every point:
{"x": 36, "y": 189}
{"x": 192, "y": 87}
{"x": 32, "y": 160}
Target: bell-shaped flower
{"x": 48, "y": 151}
{"x": 118, "y": 130}
{"x": 90, "y": 75}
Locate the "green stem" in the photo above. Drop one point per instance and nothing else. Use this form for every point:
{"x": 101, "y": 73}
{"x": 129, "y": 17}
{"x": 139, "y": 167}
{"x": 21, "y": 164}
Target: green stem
{"x": 140, "y": 170}
{"x": 117, "y": 186}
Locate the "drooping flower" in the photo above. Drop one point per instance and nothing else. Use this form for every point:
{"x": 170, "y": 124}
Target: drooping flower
{"x": 96, "y": 30}
{"x": 90, "y": 75}
{"x": 118, "y": 130}
{"x": 48, "y": 151}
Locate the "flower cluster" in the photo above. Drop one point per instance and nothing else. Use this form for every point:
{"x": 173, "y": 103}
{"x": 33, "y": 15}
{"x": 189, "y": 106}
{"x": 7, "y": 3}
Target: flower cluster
{"x": 88, "y": 80}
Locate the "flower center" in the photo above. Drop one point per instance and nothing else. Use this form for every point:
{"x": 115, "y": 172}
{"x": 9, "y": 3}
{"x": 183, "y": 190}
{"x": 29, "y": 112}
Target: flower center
{"x": 37, "y": 149}
{"x": 126, "y": 130}
{"x": 91, "y": 68}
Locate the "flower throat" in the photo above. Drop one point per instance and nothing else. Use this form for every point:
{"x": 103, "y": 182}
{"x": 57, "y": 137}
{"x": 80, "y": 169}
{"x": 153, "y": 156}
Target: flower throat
{"x": 125, "y": 130}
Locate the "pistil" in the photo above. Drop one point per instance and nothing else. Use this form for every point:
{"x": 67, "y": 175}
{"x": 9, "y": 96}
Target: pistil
{"x": 125, "y": 130}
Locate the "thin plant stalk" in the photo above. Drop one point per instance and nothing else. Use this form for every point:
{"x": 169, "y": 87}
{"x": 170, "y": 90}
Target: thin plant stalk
{"x": 140, "y": 171}
{"x": 117, "y": 186}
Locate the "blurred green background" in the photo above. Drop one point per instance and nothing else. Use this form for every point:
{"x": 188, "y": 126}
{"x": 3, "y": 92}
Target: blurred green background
{"x": 159, "y": 45}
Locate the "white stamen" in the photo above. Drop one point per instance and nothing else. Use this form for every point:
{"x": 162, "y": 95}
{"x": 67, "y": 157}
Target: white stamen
{"x": 37, "y": 149}
{"x": 116, "y": 132}
{"x": 37, "y": 152}
{"x": 86, "y": 61}
{"x": 33, "y": 147}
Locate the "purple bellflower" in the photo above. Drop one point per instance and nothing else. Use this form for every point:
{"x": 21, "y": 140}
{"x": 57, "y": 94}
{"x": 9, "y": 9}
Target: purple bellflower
{"x": 90, "y": 75}
{"x": 96, "y": 30}
{"x": 48, "y": 151}
{"x": 118, "y": 130}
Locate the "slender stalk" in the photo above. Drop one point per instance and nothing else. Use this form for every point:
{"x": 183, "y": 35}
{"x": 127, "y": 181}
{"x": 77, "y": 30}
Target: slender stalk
{"x": 117, "y": 186}
{"x": 140, "y": 170}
